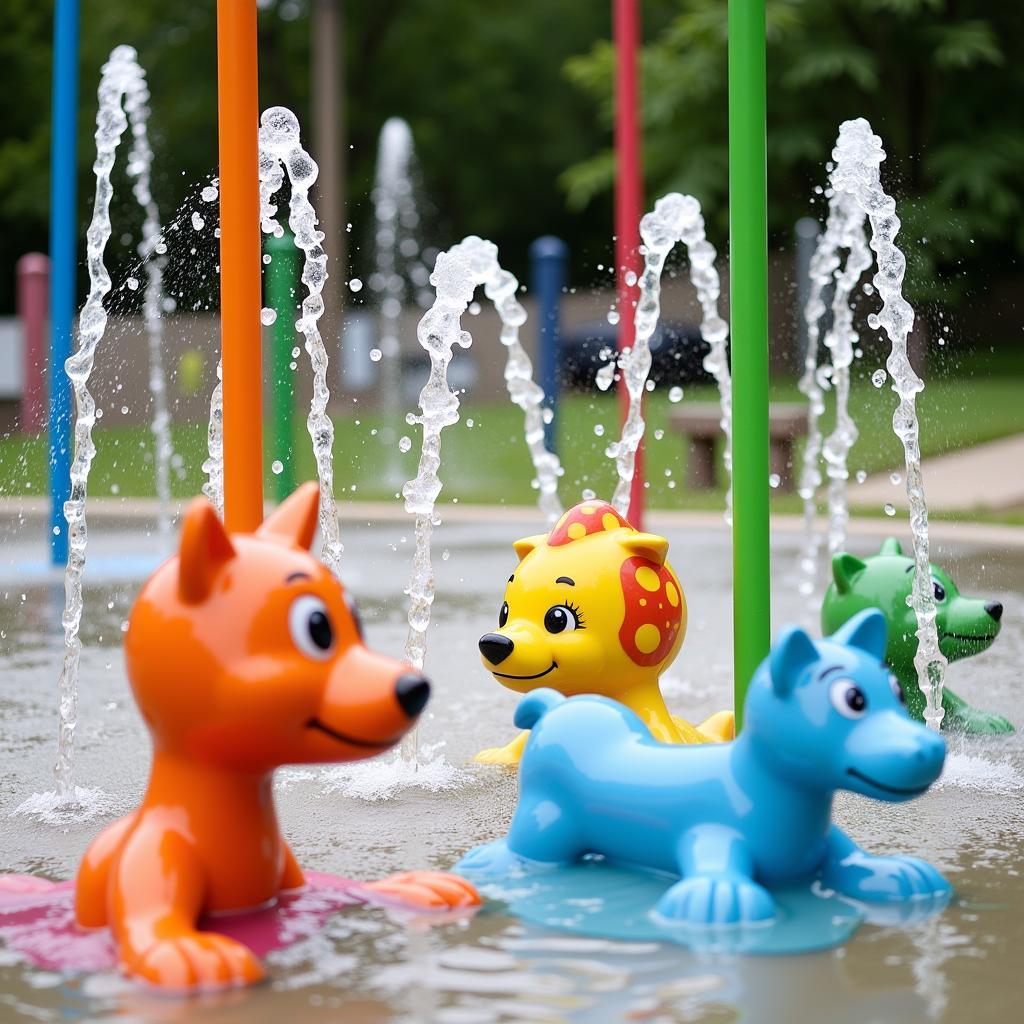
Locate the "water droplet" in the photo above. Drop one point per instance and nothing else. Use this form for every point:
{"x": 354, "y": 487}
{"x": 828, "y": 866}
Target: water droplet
{"x": 277, "y": 467}
{"x": 124, "y": 410}
{"x": 604, "y": 376}
{"x": 268, "y": 316}
{"x": 675, "y": 394}
{"x": 659, "y": 434}
{"x": 894, "y": 478}
{"x": 879, "y": 377}
{"x": 599, "y": 429}
{"x": 474, "y": 309}
{"x": 197, "y": 222}
{"x": 375, "y": 355}
{"x": 774, "y": 480}
{"x": 889, "y": 509}
{"x": 445, "y": 555}
{"x": 470, "y": 422}
{"x": 613, "y": 316}
{"x": 355, "y": 285}
{"x": 133, "y": 283}
{"x": 630, "y": 278}
{"x": 295, "y": 352}
{"x": 404, "y": 443}
{"x": 266, "y": 258}
{"x": 861, "y": 476}
{"x": 208, "y": 194}
{"x": 649, "y": 384}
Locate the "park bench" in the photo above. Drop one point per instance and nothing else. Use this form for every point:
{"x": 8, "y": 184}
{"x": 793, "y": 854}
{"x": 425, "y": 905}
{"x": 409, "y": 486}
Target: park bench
{"x": 700, "y": 422}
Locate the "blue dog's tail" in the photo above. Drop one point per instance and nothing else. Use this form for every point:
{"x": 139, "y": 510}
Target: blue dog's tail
{"x": 534, "y": 706}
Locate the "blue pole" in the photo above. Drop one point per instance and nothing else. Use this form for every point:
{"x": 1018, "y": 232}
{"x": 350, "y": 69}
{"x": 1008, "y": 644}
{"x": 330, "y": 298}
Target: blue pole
{"x": 63, "y": 262}
{"x": 548, "y": 258}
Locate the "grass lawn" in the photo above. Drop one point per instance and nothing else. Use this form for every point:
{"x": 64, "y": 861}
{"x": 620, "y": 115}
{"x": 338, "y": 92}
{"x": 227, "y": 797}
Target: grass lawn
{"x": 484, "y": 457}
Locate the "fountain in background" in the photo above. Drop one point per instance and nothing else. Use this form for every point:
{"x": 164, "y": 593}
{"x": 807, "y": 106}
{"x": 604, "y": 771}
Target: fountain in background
{"x": 122, "y": 93}
{"x": 281, "y": 153}
{"x": 858, "y": 197}
{"x": 844, "y": 230}
{"x": 140, "y": 165}
{"x": 675, "y": 218}
{"x": 398, "y": 264}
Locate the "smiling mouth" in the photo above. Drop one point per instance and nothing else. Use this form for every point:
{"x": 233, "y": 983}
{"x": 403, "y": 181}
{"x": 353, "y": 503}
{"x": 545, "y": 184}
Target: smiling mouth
{"x": 888, "y": 789}
{"x": 315, "y": 723}
{"x": 986, "y": 638}
{"x": 550, "y": 668}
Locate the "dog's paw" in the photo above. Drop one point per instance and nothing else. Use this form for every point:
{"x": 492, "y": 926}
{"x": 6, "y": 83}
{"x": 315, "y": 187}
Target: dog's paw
{"x": 716, "y": 900}
{"x": 886, "y": 879}
{"x": 196, "y": 960}
{"x": 426, "y": 890}
{"x": 976, "y": 722}
{"x": 492, "y": 860}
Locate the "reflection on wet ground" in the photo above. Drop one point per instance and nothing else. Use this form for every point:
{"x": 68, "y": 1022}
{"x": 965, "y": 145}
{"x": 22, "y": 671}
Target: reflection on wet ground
{"x": 369, "y": 966}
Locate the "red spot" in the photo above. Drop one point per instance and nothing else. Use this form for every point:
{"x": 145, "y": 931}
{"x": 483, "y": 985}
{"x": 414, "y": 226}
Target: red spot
{"x": 592, "y": 522}
{"x": 637, "y": 615}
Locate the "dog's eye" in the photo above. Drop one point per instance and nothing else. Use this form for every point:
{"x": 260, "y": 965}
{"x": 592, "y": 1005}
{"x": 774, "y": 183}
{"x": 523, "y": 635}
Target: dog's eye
{"x": 503, "y": 614}
{"x": 848, "y": 698}
{"x": 561, "y": 617}
{"x": 897, "y": 690}
{"x": 310, "y": 626}
{"x": 939, "y": 591}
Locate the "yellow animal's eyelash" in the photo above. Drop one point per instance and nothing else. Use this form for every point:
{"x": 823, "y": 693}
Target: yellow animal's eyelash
{"x": 575, "y": 609}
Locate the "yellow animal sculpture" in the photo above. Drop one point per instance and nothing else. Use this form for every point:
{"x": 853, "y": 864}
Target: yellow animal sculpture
{"x": 594, "y": 607}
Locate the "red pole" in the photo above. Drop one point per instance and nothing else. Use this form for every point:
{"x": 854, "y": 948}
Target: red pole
{"x": 628, "y": 203}
{"x": 33, "y": 272}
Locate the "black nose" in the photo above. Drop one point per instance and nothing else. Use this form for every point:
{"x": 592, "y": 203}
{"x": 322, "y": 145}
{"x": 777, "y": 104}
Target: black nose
{"x": 413, "y": 692}
{"x": 495, "y": 647}
{"x": 995, "y": 609}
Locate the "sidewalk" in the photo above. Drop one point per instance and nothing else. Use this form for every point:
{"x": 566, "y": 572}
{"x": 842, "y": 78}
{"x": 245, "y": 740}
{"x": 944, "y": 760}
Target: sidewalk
{"x": 987, "y": 476}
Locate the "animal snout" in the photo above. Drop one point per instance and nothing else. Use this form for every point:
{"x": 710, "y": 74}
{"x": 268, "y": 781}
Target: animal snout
{"x": 995, "y": 609}
{"x": 495, "y": 647}
{"x": 412, "y": 692}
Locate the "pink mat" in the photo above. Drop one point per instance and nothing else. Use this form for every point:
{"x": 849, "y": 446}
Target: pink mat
{"x": 37, "y": 919}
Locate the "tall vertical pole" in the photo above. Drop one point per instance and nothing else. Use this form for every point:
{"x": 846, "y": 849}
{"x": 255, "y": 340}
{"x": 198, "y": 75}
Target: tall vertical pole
{"x": 281, "y": 283}
{"x": 628, "y": 203}
{"x": 548, "y": 256}
{"x": 63, "y": 260}
{"x": 748, "y": 300}
{"x": 240, "y": 285}
{"x": 33, "y": 272}
{"x": 328, "y": 81}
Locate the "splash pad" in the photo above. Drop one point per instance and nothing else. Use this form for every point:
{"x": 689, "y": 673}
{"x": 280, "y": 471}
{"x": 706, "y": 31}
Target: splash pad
{"x": 427, "y": 598}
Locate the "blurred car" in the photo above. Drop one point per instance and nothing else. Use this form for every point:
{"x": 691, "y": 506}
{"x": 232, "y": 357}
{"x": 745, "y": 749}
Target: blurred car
{"x": 677, "y": 352}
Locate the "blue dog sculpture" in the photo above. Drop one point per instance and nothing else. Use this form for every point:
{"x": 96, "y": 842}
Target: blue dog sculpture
{"x": 730, "y": 819}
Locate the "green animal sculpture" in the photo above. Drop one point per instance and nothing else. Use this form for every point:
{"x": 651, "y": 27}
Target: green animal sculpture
{"x": 966, "y": 625}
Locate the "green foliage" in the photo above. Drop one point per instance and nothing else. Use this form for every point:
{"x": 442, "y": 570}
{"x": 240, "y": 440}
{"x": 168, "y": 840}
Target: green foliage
{"x": 494, "y": 120}
{"x": 940, "y": 80}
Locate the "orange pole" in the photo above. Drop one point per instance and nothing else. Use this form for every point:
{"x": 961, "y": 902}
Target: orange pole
{"x": 240, "y": 266}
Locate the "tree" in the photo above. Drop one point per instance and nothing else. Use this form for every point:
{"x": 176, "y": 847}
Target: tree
{"x": 942, "y": 82}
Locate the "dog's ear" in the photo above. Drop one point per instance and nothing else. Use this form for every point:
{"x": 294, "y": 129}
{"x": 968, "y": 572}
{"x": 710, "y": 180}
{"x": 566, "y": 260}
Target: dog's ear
{"x": 205, "y": 547}
{"x": 647, "y": 545}
{"x": 845, "y": 569}
{"x": 891, "y": 546}
{"x": 791, "y": 653}
{"x": 294, "y": 521}
{"x": 527, "y": 544}
{"x": 866, "y": 631}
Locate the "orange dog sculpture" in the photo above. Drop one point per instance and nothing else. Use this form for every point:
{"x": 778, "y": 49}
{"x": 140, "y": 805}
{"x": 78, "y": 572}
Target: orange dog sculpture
{"x": 244, "y": 654}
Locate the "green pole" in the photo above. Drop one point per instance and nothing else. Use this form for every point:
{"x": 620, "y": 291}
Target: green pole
{"x": 748, "y": 300}
{"x": 281, "y": 283}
